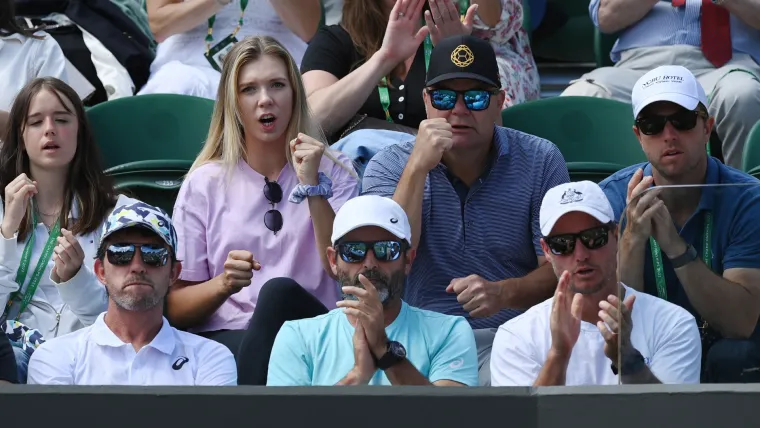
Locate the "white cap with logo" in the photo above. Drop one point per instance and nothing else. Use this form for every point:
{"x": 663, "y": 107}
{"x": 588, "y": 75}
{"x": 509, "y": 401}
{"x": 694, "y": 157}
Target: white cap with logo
{"x": 371, "y": 210}
{"x": 582, "y": 196}
{"x": 668, "y": 83}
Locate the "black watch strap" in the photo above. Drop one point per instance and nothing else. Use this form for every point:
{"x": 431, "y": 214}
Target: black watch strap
{"x": 687, "y": 257}
{"x": 394, "y": 354}
{"x": 631, "y": 363}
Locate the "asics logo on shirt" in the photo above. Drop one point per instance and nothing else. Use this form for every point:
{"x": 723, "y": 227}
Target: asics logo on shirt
{"x": 456, "y": 363}
{"x": 180, "y": 362}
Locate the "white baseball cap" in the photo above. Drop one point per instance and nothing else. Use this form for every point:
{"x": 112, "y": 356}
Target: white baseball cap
{"x": 583, "y": 196}
{"x": 371, "y": 210}
{"x": 668, "y": 83}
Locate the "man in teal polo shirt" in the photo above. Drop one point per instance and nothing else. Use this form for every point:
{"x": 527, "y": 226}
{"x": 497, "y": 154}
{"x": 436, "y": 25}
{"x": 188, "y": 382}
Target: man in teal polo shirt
{"x": 704, "y": 251}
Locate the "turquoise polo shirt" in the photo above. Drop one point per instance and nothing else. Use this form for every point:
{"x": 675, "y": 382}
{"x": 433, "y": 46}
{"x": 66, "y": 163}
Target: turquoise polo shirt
{"x": 736, "y": 224}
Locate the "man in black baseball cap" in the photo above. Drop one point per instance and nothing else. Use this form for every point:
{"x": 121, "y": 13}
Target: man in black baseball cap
{"x": 472, "y": 191}
{"x": 463, "y": 57}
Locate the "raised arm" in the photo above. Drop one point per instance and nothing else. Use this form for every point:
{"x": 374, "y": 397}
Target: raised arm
{"x": 169, "y": 17}
{"x": 302, "y": 17}
{"x": 334, "y": 101}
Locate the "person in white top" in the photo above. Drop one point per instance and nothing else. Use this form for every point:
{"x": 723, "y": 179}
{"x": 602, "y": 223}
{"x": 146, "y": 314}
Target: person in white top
{"x": 132, "y": 343}
{"x": 574, "y": 337}
{"x": 55, "y": 198}
{"x": 195, "y": 35}
{"x": 23, "y": 56}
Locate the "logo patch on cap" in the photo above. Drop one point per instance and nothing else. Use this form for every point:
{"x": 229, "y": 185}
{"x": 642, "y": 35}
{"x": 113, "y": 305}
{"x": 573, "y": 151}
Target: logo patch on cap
{"x": 570, "y": 196}
{"x": 394, "y": 220}
{"x": 462, "y": 56}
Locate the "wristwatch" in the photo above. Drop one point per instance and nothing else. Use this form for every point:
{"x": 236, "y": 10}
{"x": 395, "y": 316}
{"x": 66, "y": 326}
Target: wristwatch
{"x": 684, "y": 259}
{"x": 394, "y": 354}
{"x": 631, "y": 364}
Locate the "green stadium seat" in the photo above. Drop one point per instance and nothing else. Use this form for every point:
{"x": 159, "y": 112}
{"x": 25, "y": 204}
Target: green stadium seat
{"x": 593, "y": 134}
{"x": 149, "y": 142}
{"x": 751, "y": 155}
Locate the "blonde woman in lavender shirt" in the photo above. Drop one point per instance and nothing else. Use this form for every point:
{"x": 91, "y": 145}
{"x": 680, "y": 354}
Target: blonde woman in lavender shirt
{"x": 254, "y": 215}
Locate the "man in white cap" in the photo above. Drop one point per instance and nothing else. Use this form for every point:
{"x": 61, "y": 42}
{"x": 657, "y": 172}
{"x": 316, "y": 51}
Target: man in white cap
{"x": 574, "y": 337}
{"x": 373, "y": 337}
{"x": 703, "y": 239}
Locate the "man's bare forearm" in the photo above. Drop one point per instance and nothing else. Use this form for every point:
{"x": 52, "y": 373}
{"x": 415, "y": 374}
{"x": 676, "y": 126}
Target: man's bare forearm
{"x": 554, "y": 371}
{"x": 746, "y": 10}
{"x": 409, "y": 192}
{"x": 404, "y": 373}
{"x": 533, "y": 288}
{"x": 631, "y": 262}
{"x": 615, "y": 15}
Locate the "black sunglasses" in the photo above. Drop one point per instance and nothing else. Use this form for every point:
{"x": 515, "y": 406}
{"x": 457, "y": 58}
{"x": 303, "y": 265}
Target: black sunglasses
{"x": 273, "y": 193}
{"x": 682, "y": 120}
{"x": 474, "y": 99}
{"x": 356, "y": 251}
{"x": 594, "y": 238}
{"x": 154, "y": 255}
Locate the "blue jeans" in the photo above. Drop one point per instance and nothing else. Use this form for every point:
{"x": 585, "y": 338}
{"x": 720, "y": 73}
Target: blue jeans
{"x": 732, "y": 361}
{"x": 22, "y": 363}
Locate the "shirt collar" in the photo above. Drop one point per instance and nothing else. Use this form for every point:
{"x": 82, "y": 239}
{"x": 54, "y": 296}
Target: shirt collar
{"x": 15, "y": 36}
{"x": 707, "y": 198}
{"x": 103, "y": 336}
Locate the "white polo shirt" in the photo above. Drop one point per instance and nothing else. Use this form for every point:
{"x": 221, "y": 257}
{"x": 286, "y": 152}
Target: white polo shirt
{"x": 96, "y": 356}
{"x": 666, "y": 335}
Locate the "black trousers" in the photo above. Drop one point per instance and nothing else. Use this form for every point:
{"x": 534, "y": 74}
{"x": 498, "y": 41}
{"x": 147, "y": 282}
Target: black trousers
{"x": 280, "y": 300}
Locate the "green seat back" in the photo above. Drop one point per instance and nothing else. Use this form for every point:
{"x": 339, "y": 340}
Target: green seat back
{"x": 149, "y": 142}
{"x": 150, "y": 127}
{"x": 751, "y": 155}
{"x": 594, "y": 135}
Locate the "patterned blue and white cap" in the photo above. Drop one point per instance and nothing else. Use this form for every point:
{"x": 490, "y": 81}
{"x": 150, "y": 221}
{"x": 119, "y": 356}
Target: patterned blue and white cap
{"x": 134, "y": 213}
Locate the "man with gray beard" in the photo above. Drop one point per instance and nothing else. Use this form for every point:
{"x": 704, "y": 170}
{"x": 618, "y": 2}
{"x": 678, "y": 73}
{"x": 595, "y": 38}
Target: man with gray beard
{"x": 132, "y": 343}
{"x": 574, "y": 338}
{"x": 373, "y": 337}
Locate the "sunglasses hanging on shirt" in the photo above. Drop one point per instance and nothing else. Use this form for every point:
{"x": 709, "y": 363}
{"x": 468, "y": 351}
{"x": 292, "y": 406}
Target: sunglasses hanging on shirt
{"x": 273, "y": 217}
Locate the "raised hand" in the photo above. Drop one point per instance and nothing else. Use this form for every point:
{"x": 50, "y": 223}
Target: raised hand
{"x": 368, "y": 309}
{"x": 306, "y": 153}
{"x": 364, "y": 364}
{"x": 617, "y": 331}
{"x": 402, "y": 37}
{"x": 434, "y": 138}
{"x": 443, "y": 20}
{"x": 641, "y": 205}
{"x": 68, "y": 257}
{"x": 238, "y": 271}
{"x": 565, "y": 321}
{"x": 17, "y": 194}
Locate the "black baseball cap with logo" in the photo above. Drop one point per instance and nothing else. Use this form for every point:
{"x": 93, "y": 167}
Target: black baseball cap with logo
{"x": 463, "y": 57}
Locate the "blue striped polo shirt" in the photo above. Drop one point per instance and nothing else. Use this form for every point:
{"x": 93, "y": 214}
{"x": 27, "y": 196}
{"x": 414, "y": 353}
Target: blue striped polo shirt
{"x": 494, "y": 234}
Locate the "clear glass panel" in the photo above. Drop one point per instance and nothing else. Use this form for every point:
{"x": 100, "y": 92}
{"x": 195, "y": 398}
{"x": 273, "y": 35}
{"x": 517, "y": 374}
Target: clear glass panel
{"x": 698, "y": 247}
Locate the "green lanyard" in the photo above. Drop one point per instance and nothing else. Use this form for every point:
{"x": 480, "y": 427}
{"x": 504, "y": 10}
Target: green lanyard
{"x": 23, "y": 269}
{"x": 382, "y": 89}
{"x": 212, "y": 19}
{"x": 659, "y": 272}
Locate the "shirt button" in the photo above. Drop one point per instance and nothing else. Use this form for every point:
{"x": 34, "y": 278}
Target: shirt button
{"x": 401, "y": 99}
{"x": 401, "y": 115}
{"x": 469, "y": 223}
{"x": 401, "y": 88}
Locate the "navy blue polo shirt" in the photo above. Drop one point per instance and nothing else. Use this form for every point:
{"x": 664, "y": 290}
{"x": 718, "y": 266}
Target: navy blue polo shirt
{"x": 736, "y": 224}
{"x": 494, "y": 233}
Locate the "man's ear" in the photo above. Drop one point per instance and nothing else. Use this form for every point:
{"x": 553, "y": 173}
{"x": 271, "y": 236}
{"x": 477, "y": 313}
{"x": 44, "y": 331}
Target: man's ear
{"x": 176, "y": 269}
{"x": 331, "y": 257}
{"x": 100, "y": 270}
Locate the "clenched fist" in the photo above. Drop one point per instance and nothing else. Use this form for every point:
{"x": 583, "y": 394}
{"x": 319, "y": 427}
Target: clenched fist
{"x": 433, "y": 140}
{"x": 238, "y": 271}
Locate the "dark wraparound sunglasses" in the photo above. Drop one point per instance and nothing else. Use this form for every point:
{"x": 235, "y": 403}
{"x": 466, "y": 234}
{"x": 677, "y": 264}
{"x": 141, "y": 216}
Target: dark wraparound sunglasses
{"x": 594, "y": 238}
{"x": 356, "y": 251}
{"x": 155, "y": 255}
{"x": 474, "y": 99}
{"x": 273, "y": 193}
{"x": 682, "y": 120}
